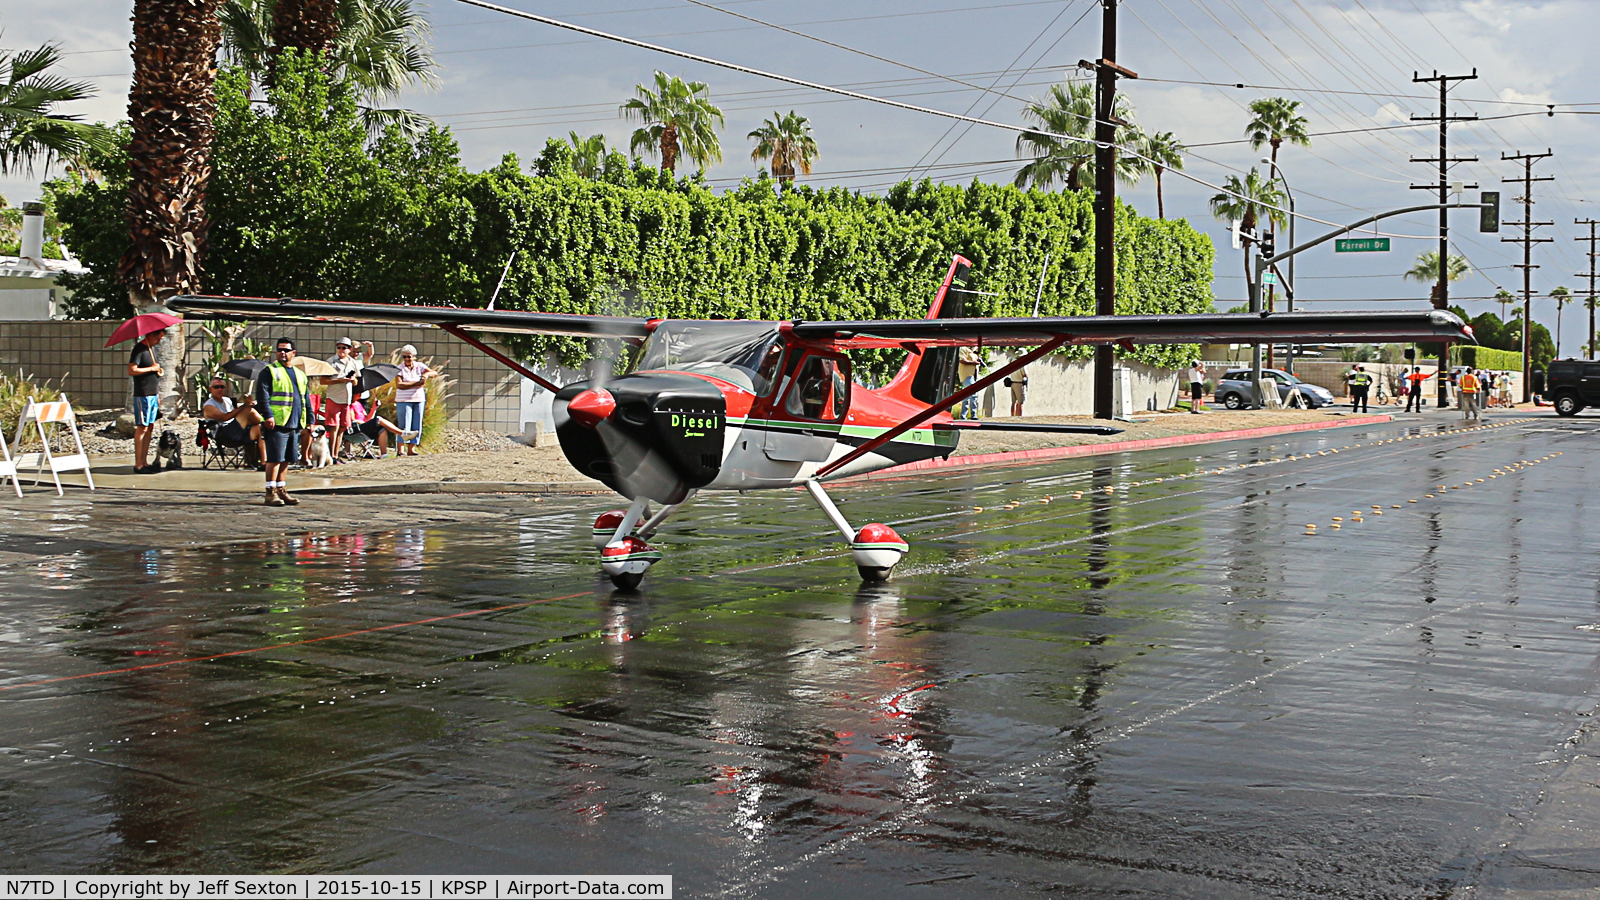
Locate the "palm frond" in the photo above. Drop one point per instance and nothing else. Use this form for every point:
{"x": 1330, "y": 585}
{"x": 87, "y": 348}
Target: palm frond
{"x": 410, "y": 122}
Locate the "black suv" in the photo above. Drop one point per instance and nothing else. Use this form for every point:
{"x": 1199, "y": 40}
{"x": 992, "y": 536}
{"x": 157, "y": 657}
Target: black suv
{"x": 1571, "y": 384}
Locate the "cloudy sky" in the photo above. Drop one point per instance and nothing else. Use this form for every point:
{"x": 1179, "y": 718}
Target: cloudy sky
{"x": 508, "y": 84}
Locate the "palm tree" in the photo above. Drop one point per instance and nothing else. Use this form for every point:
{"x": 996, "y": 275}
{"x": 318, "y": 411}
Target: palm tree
{"x": 1427, "y": 271}
{"x": 677, "y": 119}
{"x": 171, "y": 107}
{"x": 29, "y": 131}
{"x": 1427, "y": 268}
{"x": 378, "y": 48}
{"x": 787, "y": 142}
{"x": 1063, "y": 147}
{"x": 588, "y": 154}
{"x": 1561, "y": 295}
{"x": 1162, "y": 151}
{"x": 1589, "y": 301}
{"x": 1504, "y": 297}
{"x": 310, "y": 25}
{"x": 1246, "y": 200}
{"x": 1275, "y": 120}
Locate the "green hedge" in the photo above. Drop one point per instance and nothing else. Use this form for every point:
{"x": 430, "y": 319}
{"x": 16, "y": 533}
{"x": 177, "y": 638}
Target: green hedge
{"x": 303, "y": 204}
{"x": 1486, "y": 358}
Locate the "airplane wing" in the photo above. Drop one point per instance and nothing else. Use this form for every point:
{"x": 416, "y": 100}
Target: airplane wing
{"x": 497, "y": 320}
{"x": 1216, "y": 328}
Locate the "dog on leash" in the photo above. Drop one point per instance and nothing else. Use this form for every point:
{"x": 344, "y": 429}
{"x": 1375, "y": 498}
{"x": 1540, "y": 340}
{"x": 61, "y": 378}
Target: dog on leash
{"x": 320, "y": 456}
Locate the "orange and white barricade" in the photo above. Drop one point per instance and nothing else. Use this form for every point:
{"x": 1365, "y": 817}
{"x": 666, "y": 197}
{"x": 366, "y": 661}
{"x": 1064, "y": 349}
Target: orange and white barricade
{"x": 42, "y": 414}
{"x": 8, "y": 466}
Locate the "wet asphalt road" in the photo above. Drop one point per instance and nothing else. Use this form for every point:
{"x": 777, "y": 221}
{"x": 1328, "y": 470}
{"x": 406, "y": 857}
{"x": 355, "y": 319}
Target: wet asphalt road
{"x": 1161, "y": 688}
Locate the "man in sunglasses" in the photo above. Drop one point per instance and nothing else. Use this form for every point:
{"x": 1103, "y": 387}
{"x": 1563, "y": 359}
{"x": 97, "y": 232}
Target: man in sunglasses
{"x": 283, "y": 397}
{"x": 238, "y": 425}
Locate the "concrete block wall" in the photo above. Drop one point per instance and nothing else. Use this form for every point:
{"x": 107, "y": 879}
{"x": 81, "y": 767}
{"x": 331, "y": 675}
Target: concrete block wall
{"x": 487, "y": 396}
{"x": 71, "y": 356}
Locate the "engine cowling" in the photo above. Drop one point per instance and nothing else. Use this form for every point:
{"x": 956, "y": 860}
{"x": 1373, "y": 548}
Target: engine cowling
{"x": 661, "y": 437}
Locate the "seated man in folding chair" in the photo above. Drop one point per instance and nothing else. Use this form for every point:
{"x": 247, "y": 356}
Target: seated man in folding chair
{"x": 238, "y": 425}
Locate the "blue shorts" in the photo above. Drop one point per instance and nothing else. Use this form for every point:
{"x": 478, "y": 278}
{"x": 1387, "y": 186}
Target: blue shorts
{"x": 145, "y": 410}
{"x": 283, "y": 444}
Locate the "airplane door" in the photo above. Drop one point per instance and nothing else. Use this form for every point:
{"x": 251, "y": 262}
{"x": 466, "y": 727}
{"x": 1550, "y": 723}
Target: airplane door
{"x": 805, "y": 424}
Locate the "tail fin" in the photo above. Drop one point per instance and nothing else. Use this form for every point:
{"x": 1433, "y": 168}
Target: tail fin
{"x": 930, "y": 374}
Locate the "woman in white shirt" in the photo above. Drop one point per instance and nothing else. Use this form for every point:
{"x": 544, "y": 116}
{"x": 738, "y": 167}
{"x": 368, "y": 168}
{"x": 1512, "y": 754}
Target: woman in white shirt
{"x": 409, "y": 396}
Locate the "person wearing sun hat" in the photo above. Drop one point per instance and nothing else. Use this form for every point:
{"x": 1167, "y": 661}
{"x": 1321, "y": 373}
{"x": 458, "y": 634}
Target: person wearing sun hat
{"x": 409, "y": 396}
{"x": 337, "y": 401}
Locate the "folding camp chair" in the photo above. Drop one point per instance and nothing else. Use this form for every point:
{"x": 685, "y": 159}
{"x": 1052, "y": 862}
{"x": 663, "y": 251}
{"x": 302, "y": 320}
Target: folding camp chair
{"x": 358, "y": 445}
{"x": 214, "y": 453}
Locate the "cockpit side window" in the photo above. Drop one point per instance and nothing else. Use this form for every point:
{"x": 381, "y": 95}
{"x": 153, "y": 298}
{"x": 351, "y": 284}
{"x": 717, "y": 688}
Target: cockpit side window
{"x": 821, "y": 390}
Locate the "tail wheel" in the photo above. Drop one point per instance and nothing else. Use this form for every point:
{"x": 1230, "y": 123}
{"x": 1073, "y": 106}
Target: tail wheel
{"x": 875, "y": 574}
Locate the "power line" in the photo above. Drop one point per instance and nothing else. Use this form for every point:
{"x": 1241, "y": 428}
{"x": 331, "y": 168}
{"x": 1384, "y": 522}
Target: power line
{"x": 748, "y": 70}
{"x": 1000, "y": 77}
{"x": 926, "y": 12}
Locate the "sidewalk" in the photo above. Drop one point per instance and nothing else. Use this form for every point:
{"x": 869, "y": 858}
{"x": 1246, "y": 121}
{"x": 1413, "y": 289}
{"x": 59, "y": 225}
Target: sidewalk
{"x": 545, "y": 471}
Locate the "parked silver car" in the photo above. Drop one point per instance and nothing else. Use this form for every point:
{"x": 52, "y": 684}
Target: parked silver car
{"x": 1234, "y": 392}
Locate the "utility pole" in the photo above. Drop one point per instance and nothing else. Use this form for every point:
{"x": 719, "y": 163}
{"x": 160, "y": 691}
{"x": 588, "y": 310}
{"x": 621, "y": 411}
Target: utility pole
{"x": 1527, "y": 241}
{"x": 1441, "y": 291}
{"x": 1105, "y": 198}
{"x": 1592, "y": 238}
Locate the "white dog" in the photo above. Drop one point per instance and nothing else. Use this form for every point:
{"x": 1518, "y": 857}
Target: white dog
{"x": 319, "y": 456}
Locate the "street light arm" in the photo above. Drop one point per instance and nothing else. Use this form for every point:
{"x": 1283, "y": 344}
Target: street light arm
{"x": 1261, "y": 262}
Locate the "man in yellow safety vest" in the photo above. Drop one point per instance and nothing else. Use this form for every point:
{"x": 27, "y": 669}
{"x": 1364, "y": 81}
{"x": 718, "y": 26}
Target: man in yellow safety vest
{"x": 283, "y": 396}
{"x": 1469, "y": 386}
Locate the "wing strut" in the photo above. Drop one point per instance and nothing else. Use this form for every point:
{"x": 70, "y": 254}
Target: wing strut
{"x": 510, "y": 363}
{"x": 944, "y": 404}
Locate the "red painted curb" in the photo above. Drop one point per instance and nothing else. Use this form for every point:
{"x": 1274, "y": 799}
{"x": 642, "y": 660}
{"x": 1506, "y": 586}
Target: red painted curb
{"x": 1044, "y": 453}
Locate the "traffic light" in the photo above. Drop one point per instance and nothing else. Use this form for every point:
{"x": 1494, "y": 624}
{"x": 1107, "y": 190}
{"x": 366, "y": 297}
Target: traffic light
{"x": 1411, "y": 353}
{"x": 1268, "y": 245}
{"x": 1489, "y": 212}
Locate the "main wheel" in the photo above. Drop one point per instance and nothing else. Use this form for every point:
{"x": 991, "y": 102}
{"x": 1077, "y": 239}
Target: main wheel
{"x": 1567, "y": 405}
{"x": 627, "y": 581}
{"x": 1233, "y": 401}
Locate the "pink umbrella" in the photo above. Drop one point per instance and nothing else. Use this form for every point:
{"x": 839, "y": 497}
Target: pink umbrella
{"x": 141, "y": 325}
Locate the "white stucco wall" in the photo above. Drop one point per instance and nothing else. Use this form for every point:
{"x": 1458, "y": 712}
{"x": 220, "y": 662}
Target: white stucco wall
{"x": 27, "y": 304}
{"x": 1060, "y": 387}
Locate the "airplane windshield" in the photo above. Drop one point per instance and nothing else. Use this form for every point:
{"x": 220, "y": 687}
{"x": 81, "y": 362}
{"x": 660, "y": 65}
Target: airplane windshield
{"x": 746, "y": 353}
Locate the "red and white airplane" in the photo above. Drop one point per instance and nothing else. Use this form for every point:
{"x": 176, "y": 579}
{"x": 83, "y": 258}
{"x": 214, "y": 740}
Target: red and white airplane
{"x": 738, "y": 405}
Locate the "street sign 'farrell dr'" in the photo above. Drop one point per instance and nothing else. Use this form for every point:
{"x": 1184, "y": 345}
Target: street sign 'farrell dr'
{"x": 1361, "y": 245}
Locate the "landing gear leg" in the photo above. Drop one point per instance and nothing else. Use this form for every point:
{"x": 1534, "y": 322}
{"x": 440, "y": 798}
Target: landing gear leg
{"x": 620, "y": 536}
{"x": 877, "y": 549}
